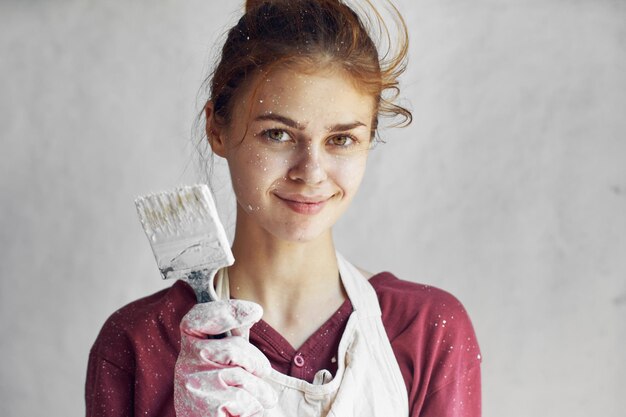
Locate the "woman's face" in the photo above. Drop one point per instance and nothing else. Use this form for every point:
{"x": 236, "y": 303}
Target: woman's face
{"x": 296, "y": 149}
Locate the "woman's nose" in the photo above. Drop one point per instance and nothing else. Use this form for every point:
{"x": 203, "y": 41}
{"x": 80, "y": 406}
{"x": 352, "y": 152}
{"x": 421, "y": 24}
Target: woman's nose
{"x": 308, "y": 166}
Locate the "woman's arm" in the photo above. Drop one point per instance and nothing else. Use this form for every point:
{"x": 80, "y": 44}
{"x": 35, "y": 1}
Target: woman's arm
{"x": 459, "y": 398}
{"x": 108, "y": 389}
{"x": 435, "y": 345}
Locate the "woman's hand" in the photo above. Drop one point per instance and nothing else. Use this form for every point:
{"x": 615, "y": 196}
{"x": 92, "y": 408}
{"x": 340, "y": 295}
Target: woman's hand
{"x": 221, "y": 376}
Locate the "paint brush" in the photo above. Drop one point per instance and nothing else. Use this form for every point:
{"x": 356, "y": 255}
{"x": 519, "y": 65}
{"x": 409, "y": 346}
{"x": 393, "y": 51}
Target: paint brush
{"x": 187, "y": 237}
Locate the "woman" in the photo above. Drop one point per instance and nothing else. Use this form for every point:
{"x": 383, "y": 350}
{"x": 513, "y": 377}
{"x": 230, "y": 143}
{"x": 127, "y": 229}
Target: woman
{"x": 294, "y": 107}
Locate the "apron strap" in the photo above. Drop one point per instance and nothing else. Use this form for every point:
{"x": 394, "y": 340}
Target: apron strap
{"x": 360, "y": 292}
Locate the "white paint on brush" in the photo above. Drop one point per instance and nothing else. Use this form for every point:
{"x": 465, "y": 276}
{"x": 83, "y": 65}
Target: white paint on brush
{"x": 186, "y": 235}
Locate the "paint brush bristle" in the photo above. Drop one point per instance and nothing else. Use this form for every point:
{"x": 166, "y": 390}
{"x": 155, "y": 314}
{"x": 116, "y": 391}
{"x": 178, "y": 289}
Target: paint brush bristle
{"x": 185, "y": 233}
{"x": 169, "y": 213}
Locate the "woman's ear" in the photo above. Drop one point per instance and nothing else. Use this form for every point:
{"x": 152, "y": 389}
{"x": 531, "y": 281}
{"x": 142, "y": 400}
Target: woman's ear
{"x": 214, "y": 133}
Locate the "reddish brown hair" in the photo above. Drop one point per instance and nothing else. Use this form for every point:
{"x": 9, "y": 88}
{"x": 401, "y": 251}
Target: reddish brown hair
{"x": 310, "y": 34}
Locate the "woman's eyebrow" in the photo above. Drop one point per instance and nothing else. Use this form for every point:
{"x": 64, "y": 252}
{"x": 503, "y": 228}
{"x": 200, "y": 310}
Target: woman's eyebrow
{"x": 282, "y": 119}
{"x": 297, "y": 125}
{"x": 345, "y": 126}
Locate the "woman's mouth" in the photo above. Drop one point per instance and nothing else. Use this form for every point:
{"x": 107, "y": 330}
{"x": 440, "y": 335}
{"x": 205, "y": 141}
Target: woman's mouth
{"x": 304, "y": 204}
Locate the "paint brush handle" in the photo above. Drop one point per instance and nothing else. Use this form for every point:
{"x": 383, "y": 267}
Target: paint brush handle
{"x": 202, "y": 282}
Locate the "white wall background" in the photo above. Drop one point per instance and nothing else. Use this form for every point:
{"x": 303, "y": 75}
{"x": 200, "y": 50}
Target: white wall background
{"x": 509, "y": 190}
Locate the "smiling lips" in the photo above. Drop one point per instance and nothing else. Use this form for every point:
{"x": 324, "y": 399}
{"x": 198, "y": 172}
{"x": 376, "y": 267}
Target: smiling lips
{"x": 303, "y": 204}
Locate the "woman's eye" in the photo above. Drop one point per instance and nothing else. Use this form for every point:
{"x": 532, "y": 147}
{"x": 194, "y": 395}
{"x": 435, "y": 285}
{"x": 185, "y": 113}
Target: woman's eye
{"x": 277, "y": 135}
{"x": 342, "y": 141}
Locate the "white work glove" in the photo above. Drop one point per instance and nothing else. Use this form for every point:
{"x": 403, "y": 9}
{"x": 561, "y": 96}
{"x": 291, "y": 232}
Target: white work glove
{"x": 221, "y": 377}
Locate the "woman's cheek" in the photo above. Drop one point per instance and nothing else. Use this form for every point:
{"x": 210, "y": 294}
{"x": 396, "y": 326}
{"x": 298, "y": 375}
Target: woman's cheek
{"x": 257, "y": 176}
{"x": 244, "y": 179}
{"x": 348, "y": 171}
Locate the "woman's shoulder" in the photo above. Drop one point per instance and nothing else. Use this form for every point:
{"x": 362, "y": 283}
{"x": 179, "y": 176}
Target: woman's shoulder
{"x": 393, "y": 290}
{"x": 142, "y": 322}
{"x": 168, "y": 300}
{"x": 430, "y": 333}
{"x": 416, "y": 308}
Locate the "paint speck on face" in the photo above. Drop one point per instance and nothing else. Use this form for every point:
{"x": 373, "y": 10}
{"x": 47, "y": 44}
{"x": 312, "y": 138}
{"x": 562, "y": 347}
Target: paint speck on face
{"x": 310, "y": 163}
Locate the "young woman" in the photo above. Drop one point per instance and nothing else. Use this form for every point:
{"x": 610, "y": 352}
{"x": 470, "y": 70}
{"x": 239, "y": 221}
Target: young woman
{"x": 294, "y": 106}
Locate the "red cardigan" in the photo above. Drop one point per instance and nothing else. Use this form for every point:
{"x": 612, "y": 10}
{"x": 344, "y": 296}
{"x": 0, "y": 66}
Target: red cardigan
{"x": 131, "y": 364}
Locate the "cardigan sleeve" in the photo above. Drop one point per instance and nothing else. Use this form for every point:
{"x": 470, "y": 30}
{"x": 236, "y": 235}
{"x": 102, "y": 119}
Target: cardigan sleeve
{"x": 461, "y": 397}
{"x": 131, "y": 364}
{"x": 108, "y": 388}
{"x": 435, "y": 345}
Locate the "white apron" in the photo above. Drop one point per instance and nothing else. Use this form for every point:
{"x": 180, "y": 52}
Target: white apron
{"x": 368, "y": 382}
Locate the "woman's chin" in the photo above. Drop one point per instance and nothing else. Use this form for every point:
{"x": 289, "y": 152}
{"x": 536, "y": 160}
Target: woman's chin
{"x": 300, "y": 233}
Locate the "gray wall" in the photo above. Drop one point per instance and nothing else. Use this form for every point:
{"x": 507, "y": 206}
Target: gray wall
{"x": 509, "y": 190}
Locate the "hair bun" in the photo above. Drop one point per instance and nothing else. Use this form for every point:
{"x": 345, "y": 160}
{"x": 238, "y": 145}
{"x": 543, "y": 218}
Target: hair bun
{"x": 251, "y": 4}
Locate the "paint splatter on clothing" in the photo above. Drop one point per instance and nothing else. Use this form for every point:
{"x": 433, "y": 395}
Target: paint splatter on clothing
{"x": 131, "y": 365}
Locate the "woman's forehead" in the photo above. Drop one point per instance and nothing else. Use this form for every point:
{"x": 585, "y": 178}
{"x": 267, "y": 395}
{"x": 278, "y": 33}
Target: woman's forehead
{"x": 307, "y": 94}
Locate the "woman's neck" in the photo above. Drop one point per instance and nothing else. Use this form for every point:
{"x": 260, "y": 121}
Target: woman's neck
{"x": 296, "y": 283}
{"x": 269, "y": 270}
